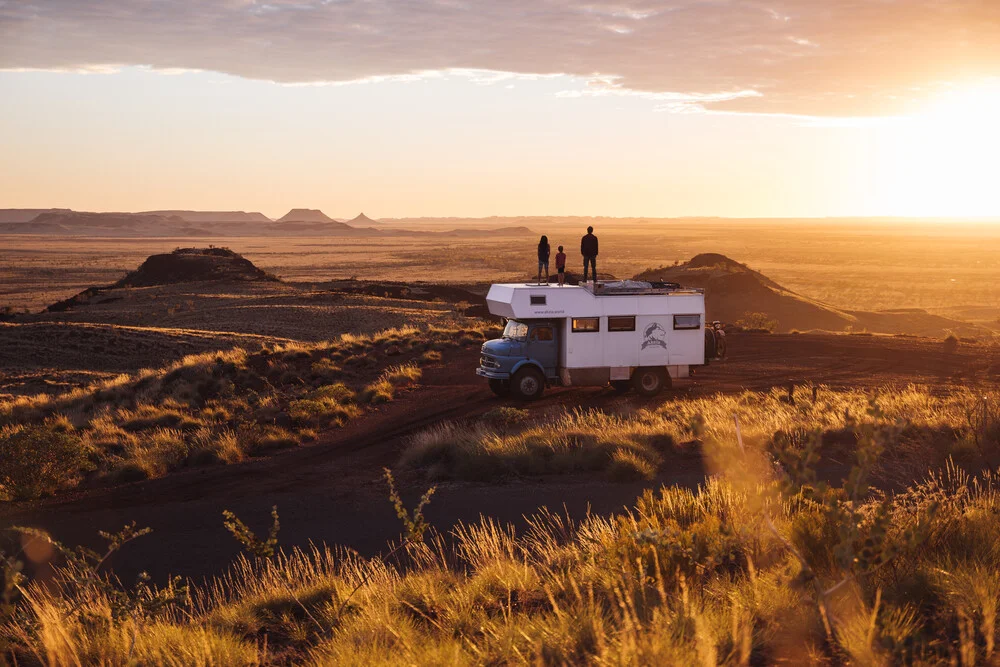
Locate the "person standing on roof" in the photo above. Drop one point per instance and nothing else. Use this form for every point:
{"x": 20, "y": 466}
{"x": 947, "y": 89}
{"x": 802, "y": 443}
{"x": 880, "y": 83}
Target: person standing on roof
{"x": 561, "y": 266}
{"x": 543, "y": 258}
{"x": 588, "y": 248}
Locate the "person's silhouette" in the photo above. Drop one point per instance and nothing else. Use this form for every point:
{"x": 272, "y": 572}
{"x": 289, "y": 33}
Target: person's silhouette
{"x": 588, "y": 248}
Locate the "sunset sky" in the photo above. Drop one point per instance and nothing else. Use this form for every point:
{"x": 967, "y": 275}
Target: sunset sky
{"x": 738, "y": 108}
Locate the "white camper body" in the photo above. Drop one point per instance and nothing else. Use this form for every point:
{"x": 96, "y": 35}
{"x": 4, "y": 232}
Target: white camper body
{"x": 606, "y": 331}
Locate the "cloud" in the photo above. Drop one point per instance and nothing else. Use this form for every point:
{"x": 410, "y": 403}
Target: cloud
{"x": 800, "y": 57}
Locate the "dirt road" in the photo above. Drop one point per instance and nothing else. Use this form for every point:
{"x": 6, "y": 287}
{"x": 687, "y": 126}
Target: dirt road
{"x": 332, "y": 491}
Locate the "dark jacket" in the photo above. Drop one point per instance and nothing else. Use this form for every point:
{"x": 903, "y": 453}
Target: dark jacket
{"x": 543, "y": 252}
{"x": 588, "y": 246}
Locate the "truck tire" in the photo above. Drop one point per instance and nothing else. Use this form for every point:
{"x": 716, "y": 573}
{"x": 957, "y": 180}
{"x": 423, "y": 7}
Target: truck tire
{"x": 650, "y": 381}
{"x": 621, "y": 386}
{"x": 527, "y": 384}
{"x": 500, "y": 387}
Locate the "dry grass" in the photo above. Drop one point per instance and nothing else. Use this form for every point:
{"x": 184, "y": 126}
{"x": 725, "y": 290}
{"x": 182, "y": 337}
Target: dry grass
{"x": 929, "y": 429}
{"x": 685, "y": 577}
{"x": 222, "y": 407}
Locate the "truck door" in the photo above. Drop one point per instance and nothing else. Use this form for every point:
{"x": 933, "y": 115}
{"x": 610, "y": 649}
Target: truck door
{"x": 542, "y": 347}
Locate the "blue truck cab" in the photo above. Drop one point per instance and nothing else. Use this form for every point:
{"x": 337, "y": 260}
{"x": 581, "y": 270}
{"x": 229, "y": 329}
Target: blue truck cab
{"x": 527, "y": 353}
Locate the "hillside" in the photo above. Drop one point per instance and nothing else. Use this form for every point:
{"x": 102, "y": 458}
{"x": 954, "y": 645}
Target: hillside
{"x": 211, "y": 216}
{"x": 26, "y": 214}
{"x": 733, "y": 289}
{"x": 76, "y": 223}
{"x": 305, "y": 215}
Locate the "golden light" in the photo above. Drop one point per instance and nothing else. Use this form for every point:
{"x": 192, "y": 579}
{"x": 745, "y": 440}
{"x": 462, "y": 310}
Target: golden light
{"x": 945, "y": 161}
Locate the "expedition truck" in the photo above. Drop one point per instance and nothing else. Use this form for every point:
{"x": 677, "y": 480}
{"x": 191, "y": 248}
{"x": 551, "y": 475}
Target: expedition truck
{"x": 628, "y": 333}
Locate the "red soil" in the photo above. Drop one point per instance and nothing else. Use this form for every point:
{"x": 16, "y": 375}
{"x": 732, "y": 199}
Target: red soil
{"x": 332, "y": 490}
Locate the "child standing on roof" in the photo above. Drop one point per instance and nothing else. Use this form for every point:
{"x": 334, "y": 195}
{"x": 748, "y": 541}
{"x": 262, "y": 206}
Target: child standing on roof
{"x": 543, "y": 258}
{"x": 561, "y": 266}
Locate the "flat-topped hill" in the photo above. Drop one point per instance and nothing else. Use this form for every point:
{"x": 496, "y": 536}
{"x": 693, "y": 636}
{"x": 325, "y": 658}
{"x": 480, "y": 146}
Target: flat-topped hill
{"x": 193, "y": 265}
{"x": 212, "y": 216}
{"x": 305, "y": 215}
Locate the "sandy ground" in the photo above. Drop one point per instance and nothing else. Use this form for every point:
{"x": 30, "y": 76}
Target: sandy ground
{"x": 332, "y": 491}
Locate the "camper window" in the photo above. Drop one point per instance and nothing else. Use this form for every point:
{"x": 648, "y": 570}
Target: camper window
{"x": 541, "y": 333}
{"x": 516, "y": 330}
{"x": 685, "y": 322}
{"x": 621, "y": 323}
{"x": 537, "y": 299}
{"x": 586, "y": 324}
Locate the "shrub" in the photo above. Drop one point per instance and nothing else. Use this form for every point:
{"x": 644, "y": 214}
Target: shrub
{"x": 430, "y": 356}
{"x": 403, "y": 374}
{"x": 757, "y": 322}
{"x": 209, "y": 446}
{"x": 950, "y": 343}
{"x": 272, "y": 438}
{"x": 36, "y": 460}
{"x": 380, "y": 391}
{"x": 330, "y": 404}
{"x": 145, "y": 417}
{"x": 626, "y": 465}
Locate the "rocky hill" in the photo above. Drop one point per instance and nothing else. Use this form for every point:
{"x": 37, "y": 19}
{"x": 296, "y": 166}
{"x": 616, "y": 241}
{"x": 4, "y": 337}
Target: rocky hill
{"x": 186, "y": 265}
{"x": 732, "y": 290}
{"x": 305, "y": 215}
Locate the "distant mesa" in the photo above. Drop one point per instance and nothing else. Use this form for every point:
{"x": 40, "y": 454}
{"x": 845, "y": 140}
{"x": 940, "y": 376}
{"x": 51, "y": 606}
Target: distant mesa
{"x": 186, "y": 265}
{"x": 305, "y": 215}
{"x": 211, "y": 216}
{"x": 362, "y": 219}
{"x": 27, "y": 214}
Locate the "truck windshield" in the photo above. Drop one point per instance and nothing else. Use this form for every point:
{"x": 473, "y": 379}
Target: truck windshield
{"x": 516, "y": 330}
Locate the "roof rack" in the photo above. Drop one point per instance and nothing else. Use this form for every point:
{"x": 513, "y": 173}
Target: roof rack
{"x": 636, "y": 287}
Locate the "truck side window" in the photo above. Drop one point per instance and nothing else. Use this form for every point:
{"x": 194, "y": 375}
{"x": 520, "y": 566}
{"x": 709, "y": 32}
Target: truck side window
{"x": 586, "y": 324}
{"x": 686, "y": 322}
{"x": 621, "y": 323}
{"x": 541, "y": 333}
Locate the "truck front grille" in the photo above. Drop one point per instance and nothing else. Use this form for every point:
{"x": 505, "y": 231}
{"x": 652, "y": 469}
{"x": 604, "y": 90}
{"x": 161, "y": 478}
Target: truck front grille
{"x": 486, "y": 361}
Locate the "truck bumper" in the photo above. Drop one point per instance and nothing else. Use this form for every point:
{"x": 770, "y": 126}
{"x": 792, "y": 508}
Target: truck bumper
{"x": 491, "y": 374}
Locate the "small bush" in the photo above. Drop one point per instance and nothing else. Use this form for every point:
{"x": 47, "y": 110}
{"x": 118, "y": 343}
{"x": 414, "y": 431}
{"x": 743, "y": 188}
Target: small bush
{"x": 757, "y": 322}
{"x": 430, "y": 356}
{"x": 627, "y": 466}
{"x": 380, "y": 391}
{"x": 37, "y": 460}
{"x": 404, "y": 374}
{"x": 950, "y": 344}
{"x": 211, "y": 447}
{"x": 272, "y": 438}
{"x": 330, "y": 404}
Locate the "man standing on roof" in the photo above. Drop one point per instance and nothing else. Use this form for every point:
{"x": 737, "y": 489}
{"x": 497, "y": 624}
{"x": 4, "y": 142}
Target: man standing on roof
{"x": 588, "y": 248}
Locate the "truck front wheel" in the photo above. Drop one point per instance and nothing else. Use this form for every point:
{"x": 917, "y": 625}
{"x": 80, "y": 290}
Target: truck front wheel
{"x": 650, "y": 381}
{"x": 527, "y": 384}
{"x": 500, "y": 387}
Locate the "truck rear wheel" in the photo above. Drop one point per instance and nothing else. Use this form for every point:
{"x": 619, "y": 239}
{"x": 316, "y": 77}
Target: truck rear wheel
{"x": 650, "y": 381}
{"x": 500, "y": 387}
{"x": 527, "y": 384}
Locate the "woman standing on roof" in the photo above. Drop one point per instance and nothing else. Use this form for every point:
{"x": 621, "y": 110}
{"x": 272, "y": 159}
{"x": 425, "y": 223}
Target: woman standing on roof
{"x": 543, "y": 258}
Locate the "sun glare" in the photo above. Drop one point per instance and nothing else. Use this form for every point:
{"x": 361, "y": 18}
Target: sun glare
{"x": 944, "y": 161}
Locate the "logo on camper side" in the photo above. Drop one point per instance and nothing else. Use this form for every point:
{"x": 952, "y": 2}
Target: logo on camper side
{"x": 655, "y": 335}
